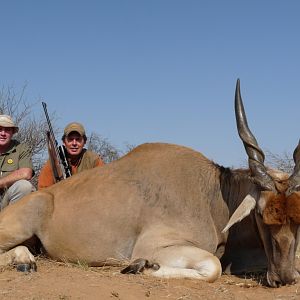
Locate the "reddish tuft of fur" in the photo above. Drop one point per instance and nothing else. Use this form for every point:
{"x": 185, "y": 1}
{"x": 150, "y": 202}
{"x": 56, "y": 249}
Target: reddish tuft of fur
{"x": 293, "y": 207}
{"x": 275, "y": 210}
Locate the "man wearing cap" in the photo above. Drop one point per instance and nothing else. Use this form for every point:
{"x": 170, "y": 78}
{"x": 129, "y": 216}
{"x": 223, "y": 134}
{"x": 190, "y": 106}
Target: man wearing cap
{"x": 79, "y": 158}
{"x": 15, "y": 164}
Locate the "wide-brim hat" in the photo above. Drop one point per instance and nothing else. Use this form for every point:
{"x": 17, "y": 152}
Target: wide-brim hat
{"x": 7, "y": 121}
{"x": 74, "y": 127}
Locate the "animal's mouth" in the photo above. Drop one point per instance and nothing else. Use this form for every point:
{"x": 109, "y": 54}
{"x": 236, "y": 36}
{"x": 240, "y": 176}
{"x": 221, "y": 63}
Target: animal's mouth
{"x": 275, "y": 281}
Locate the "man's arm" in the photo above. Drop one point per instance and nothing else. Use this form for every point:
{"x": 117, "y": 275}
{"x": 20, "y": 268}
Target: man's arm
{"x": 22, "y": 173}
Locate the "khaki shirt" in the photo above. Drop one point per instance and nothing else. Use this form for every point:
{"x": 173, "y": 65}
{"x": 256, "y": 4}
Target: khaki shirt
{"x": 16, "y": 157}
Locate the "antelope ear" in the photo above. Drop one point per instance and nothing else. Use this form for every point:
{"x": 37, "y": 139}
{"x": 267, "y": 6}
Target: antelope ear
{"x": 244, "y": 209}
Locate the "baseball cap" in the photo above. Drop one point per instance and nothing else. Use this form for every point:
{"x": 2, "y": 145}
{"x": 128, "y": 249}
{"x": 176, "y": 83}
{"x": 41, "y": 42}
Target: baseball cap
{"x": 7, "y": 121}
{"x": 74, "y": 126}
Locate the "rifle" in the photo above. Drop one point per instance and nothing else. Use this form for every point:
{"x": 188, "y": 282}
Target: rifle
{"x": 57, "y": 154}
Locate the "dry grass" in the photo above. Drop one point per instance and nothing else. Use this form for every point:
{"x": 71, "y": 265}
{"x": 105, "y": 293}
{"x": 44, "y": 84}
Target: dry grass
{"x": 64, "y": 280}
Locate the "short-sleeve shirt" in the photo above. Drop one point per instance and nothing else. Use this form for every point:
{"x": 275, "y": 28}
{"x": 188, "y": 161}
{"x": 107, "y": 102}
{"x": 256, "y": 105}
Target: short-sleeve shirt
{"x": 16, "y": 157}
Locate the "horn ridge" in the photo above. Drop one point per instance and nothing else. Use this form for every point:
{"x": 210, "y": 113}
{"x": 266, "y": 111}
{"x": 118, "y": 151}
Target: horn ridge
{"x": 294, "y": 179}
{"x": 256, "y": 156}
{"x": 250, "y": 143}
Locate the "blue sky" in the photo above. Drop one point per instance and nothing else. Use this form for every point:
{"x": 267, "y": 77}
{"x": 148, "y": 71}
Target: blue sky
{"x": 160, "y": 70}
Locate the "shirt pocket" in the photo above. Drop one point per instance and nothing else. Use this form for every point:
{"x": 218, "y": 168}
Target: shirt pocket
{"x": 9, "y": 165}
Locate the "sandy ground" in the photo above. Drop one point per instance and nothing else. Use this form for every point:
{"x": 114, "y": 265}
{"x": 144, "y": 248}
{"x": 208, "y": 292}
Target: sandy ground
{"x": 55, "y": 280}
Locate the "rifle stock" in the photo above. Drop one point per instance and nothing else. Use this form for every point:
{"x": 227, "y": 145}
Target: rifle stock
{"x": 58, "y": 160}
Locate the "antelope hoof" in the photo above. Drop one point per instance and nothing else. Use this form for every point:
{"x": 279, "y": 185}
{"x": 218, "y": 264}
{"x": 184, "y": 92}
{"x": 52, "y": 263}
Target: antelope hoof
{"x": 139, "y": 265}
{"x": 26, "y": 267}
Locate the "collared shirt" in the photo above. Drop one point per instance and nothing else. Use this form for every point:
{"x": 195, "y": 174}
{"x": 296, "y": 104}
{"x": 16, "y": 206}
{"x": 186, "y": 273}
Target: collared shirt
{"x": 16, "y": 157}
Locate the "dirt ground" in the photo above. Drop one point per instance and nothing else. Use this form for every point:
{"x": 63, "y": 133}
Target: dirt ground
{"x": 63, "y": 281}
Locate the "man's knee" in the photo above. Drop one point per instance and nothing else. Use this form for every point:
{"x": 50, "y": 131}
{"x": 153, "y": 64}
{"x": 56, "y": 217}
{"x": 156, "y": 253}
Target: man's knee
{"x": 23, "y": 187}
{"x": 18, "y": 190}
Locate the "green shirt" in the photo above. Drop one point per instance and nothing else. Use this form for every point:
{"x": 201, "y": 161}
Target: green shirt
{"x": 16, "y": 157}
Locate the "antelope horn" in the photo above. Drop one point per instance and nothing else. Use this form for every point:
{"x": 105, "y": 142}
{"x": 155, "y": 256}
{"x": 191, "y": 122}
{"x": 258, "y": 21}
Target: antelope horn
{"x": 294, "y": 180}
{"x": 256, "y": 156}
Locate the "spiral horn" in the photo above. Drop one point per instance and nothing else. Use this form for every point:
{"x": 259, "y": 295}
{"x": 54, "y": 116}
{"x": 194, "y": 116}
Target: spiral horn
{"x": 256, "y": 156}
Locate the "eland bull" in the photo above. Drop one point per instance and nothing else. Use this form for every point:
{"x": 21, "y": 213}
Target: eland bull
{"x": 167, "y": 210}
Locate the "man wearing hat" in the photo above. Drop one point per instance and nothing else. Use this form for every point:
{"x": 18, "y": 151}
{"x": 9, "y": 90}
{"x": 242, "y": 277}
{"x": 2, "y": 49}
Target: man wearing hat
{"x": 79, "y": 158}
{"x": 15, "y": 164}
